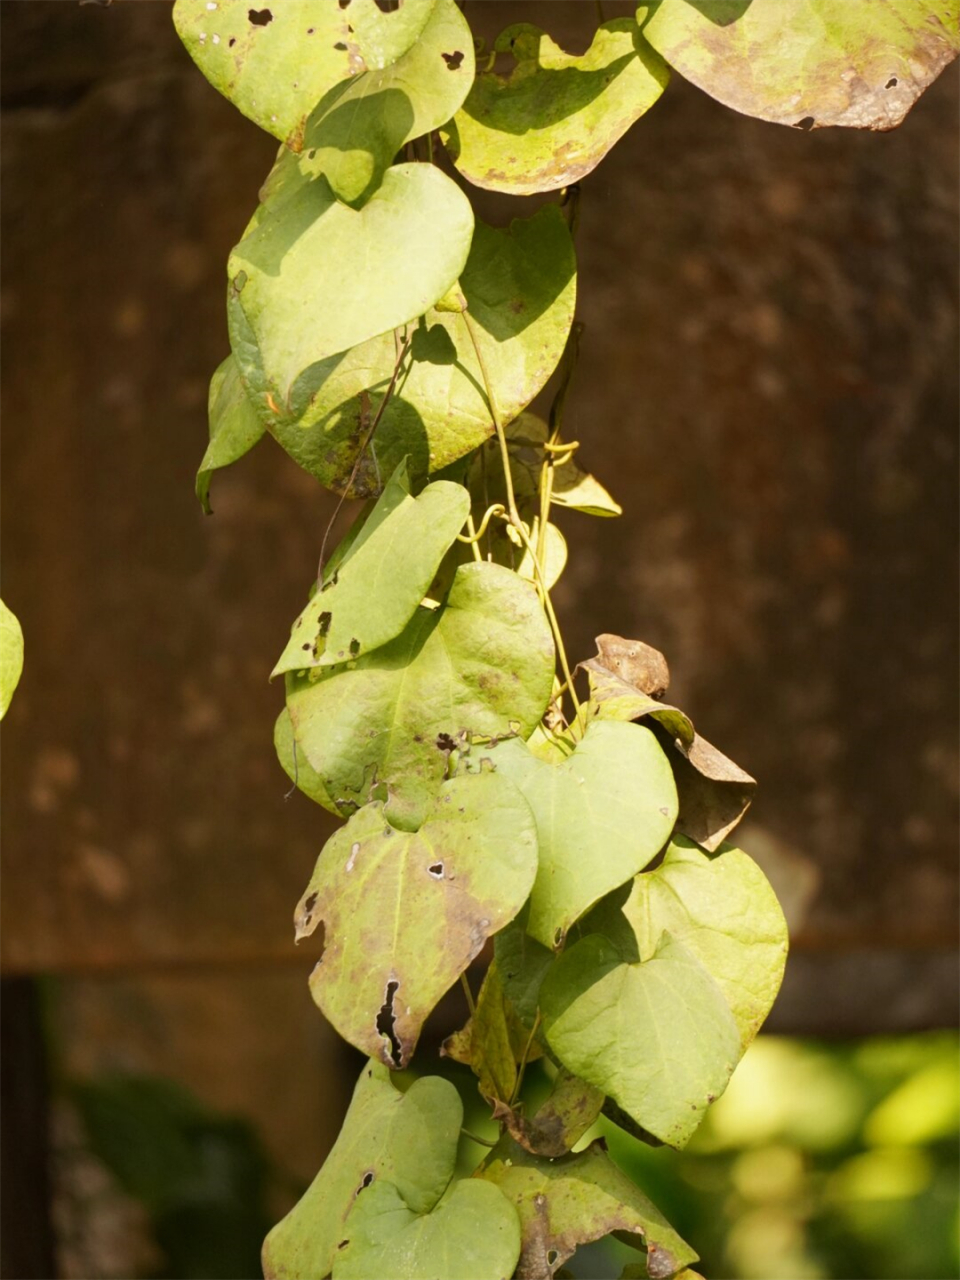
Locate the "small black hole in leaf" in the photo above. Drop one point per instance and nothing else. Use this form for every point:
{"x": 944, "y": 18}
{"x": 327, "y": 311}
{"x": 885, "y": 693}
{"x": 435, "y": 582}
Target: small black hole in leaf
{"x": 386, "y": 1020}
{"x": 453, "y": 60}
{"x": 552, "y": 1256}
{"x": 388, "y": 6}
{"x": 343, "y": 1244}
{"x": 364, "y": 1182}
{"x": 308, "y": 645}
{"x": 232, "y": 41}
{"x": 436, "y": 870}
{"x": 891, "y": 83}
{"x": 341, "y": 46}
{"x": 260, "y": 17}
{"x": 806, "y": 123}
{"x": 354, "y": 647}
{"x": 323, "y": 622}
{"x": 445, "y": 743}
{"x": 344, "y": 4}
{"x": 310, "y": 903}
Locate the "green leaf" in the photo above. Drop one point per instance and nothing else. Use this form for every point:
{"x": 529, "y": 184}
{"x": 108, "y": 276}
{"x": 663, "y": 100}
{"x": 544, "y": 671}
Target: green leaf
{"x": 570, "y": 1201}
{"x": 522, "y": 964}
{"x": 564, "y": 1118}
{"x": 234, "y": 426}
{"x": 313, "y": 277}
{"x": 554, "y": 119}
{"x": 377, "y": 587}
{"x": 602, "y": 814}
{"x": 276, "y": 62}
{"x": 296, "y": 765}
{"x": 11, "y": 656}
{"x": 404, "y": 913}
{"x": 808, "y": 63}
{"x": 724, "y": 912}
{"x": 519, "y": 284}
{"x": 494, "y": 1041}
{"x": 579, "y": 491}
{"x": 470, "y": 1235}
{"x": 656, "y": 1035}
{"x": 383, "y": 727}
{"x": 358, "y": 127}
{"x": 408, "y": 1139}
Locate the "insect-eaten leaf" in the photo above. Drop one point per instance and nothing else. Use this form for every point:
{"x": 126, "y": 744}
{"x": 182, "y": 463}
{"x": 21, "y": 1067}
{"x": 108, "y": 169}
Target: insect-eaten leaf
{"x": 570, "y": 1201}
{"x": 808, "y": 63}
{"x": 404, "y": 913}
{"x": 234, "y": 426}
{"x": 722, "y": 909}
{"x": 359, "y": 126}
{"x": 275, "y": 60}
{"x": 383, "y": 727}
{"x": 407, "y": 1143}
{"x": 519, "y": 287}
{"x": 377, "y": 585}
{"x": 557, "y": 115}
{"x": 561, "y": 1122}
{"x": 602, "y": 814}
{"x": 313, "y": 277}
{"x": 657, "y": 1034}
{"x": 11, "y": 656}
{"x": 627, "y": 679}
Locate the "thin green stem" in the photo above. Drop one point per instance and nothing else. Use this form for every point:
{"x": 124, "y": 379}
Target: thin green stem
{"x": 523, "y": 1061}
{"x": 474, "y": 1137}
{"x": 471, "y": 1003}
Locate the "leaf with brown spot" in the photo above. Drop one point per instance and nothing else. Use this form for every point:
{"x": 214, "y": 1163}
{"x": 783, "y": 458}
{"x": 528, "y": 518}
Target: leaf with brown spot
{"x": 575, "y": 1199}
{"x": 493, "y": 1042}
{"x": 808, "y": 63}
{"x": 557, "y": 115}
{"x": 714, "y": 793}
{"x": 404, "y": 913}
{"x": 631, "y": 661}
{"x": 564, "y": 1118}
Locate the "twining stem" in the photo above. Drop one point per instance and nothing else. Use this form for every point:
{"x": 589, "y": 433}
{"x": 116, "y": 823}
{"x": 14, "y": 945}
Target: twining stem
{"x": 484, "y": 1142}
{"x": 523, "y": 1061}
{"x": 362, "y": 450}
{"x": 474, "y": 538}
{"x": 514, "y": 514}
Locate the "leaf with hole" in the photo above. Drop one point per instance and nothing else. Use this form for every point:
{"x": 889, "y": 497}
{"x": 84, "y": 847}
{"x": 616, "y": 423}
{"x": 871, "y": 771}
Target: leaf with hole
{"x": 11, "y": 656}
{"x": 378, "y": 586}
{"x": 519, "y": 284}
{"x": 552, "y": 121}
{"x": 313, "y": 277}
{"x": 725, "y": 913}
{"x": 234, "y": 426}
{"x": 570, "y": 1201}
{"x": 407, "y": 1139}
{"x": 356, "y": 130}
{"x": 602, "y": 814}
{"x": 383, "y": 727}
{"x": 470, "y": 1234}
{"x": 808, "y": 63}
{"x": 656, "y": 1035}
{"x": 405, "y": 912}
{"x": 275, "y": 61}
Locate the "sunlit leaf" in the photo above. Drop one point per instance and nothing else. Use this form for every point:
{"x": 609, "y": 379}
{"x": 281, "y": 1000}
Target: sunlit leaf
{"x": 408, "y": 1139}
{"x": 808, "y": 62}
{"x": 383, "y": 727}
{"x": 557, "y": 115}
{"x": 404, "y": 913}
{"x": 602, "y": 814}
{"x": 276, "y": 60}
{"x": 519, "y": 284}
{"x": 11, "y": 656}
{"x": 469, "y": 1235}
{"x": 313, "y": 277}
{"x": 564, "y": 1118}
{"x": 378, "y": 585}
{"x": 234, "y": 426}
{"x": 656, "y": 1035}
{"x": 296, "y": 765}
{"x": 624, "y": 676}
{"x": 724, "y": 912}
{"x": 357, "y": 129}
{"x": 572, "y": 1200}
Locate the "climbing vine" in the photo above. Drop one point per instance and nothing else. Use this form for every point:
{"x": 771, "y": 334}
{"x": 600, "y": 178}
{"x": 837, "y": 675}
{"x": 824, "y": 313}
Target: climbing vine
{"x": 498, "y": 798}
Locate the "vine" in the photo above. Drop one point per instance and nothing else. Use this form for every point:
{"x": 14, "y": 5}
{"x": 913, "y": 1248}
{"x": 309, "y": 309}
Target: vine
{"x": 392, "y": 343}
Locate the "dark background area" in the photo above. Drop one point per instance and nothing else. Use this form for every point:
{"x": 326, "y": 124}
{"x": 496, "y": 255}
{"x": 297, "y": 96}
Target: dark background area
{"x": 768, "y": 384}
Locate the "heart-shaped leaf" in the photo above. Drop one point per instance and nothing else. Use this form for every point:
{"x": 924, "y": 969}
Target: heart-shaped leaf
{"x": 602, "y": 814}
{"x": 555, "y": 118}
{"x": 469, "y": 1235}
{"x": 656, "y": 1035}
{"x": 378, "y": 585}
{"x": 384, "y": 726}
{"x": 275, "y": 61}
{"x": 313, "y": 277}
{"x": 11, "y": 656}
{"x": 357, "y": 128}
{"x": 404, "y": 913}
{"x": 522, "y": 963}
{"x": 570, "y": 1201}
{"x": 724, "y": 912}
{"x": 408, "y": 1139}
{"x": 234, "y": 426}
{"x": 519, "y": 284}
{"x": 808, "y": 63}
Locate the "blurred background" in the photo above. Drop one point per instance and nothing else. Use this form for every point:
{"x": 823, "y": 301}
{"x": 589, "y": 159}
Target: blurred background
{"x": 768, "y": 384}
